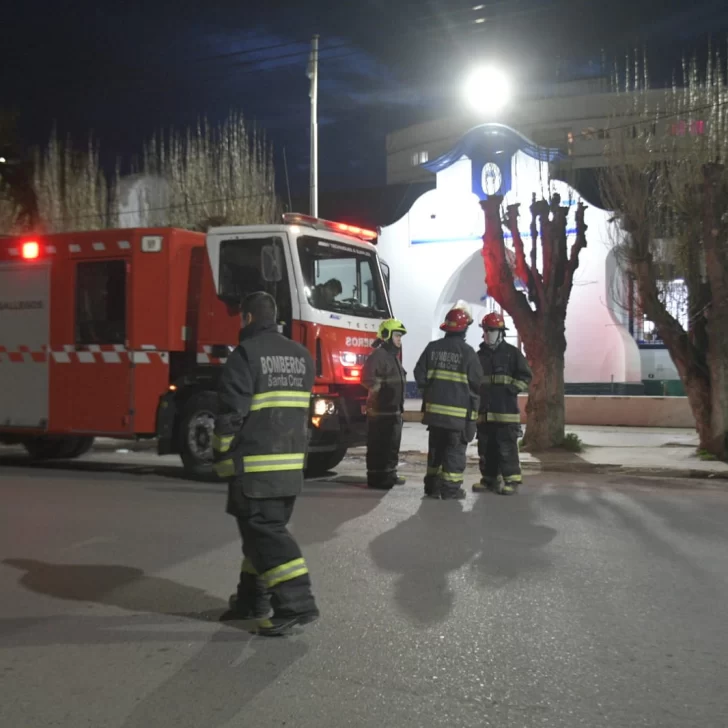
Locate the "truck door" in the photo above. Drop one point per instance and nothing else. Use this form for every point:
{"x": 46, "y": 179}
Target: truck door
{"x": 98, "y": 376}
{"x": 255, "y": 263}
{"x": 24, "y": 344}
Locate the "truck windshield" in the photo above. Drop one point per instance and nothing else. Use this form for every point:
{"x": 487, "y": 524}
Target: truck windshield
{"x": 342, "y": 278}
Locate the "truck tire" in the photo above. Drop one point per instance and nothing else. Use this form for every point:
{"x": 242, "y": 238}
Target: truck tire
{"x": 320, "y": 463}
{"x": 81, "y": 447}
{"x": 57, "y": 448}
{"x": 195, "y": 432}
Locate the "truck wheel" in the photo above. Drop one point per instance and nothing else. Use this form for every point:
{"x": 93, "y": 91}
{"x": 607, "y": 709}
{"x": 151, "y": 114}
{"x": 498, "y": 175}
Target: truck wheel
{"x": 81, "y": 446}
{"x": 196, "y": 428}
{"x": 320, "y": 463}
{"x": 57, "y": 448}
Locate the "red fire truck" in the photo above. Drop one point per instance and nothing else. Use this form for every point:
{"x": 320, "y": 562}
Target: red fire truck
{"x": 121, "y": 333}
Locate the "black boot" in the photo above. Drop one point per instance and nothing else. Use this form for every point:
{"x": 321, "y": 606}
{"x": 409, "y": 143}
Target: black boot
{"x": 251, "y": 601}
{"x": 450, "y": 494}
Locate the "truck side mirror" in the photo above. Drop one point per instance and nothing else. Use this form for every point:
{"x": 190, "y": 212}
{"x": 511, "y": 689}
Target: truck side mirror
{"x": 271, "y": 263}
{"x": 385, "y": 271}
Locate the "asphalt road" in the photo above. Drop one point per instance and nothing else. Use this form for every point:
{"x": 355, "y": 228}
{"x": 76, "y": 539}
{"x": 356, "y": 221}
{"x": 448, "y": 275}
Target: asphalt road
{"x": 584, "y": 601}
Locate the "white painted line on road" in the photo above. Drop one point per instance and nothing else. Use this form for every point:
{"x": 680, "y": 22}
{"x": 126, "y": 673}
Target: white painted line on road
{"x": 90, "y": 542}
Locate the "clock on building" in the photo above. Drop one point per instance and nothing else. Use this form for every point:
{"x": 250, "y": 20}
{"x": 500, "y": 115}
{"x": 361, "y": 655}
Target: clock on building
{"x": 491, "y": 178}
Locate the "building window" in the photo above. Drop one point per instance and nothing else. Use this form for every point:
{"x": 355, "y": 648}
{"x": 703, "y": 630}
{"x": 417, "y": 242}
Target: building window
{"x": 674, "y": 293}
{"x": 419, "y": 158}
{"x": 101, "y": 303}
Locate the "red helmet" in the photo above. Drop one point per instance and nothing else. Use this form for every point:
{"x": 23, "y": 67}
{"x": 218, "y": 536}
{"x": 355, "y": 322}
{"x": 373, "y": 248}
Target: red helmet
{"x": 456, "y": 321}
{"x": 493, "y": 321}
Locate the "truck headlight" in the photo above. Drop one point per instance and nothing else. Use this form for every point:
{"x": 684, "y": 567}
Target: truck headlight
{"x": 324, "y": 407}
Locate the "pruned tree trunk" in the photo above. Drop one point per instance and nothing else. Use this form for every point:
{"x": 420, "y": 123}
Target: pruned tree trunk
{"x": 540, "y": 318}
{"x": 545, "y": 415}
{"x": 715, "y": 243}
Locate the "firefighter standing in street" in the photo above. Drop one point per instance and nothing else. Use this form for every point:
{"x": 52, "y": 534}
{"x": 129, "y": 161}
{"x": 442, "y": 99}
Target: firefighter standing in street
{"x": 384, "y": 377}
{"x": 449, "y": 375}
{"x": 260, "y": 440}
{"x": 506, "y": 375}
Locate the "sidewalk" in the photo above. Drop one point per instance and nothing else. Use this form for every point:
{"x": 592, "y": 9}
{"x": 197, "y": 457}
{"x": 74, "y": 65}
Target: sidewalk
{"x": 666, "y": 452}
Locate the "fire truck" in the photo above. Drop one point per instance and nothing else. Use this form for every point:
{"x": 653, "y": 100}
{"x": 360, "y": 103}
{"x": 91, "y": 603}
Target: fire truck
{"x": 121, "y": 333}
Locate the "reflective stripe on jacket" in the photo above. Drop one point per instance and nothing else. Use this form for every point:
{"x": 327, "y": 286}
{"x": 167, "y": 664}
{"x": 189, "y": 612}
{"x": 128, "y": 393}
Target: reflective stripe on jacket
{"x": 505, "y": 375}
{"x": 449, "y": 375}
{"x": 261, "y": 431}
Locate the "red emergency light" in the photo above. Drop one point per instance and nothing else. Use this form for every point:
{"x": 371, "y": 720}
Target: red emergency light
{"x": 296, "y": 218}
{"x": 30, "y": 250}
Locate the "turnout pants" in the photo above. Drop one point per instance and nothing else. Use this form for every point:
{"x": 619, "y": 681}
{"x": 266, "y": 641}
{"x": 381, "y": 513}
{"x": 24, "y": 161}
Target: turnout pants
{"x": 384, "y": 436}
{"x": 273, "y": 564}
{"x": 445, "y": 461}
{"x": 498, "y": 453}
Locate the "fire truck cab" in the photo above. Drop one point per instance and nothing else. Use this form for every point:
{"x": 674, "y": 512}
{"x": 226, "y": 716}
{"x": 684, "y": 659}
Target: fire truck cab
{"x": 121, "y": 333}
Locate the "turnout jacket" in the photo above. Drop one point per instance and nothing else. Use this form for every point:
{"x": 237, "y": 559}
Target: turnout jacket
{"x": 505, "y": 375}
{"x": 384, "y": 378}
{"x": 449, "y": 375}
{"x": 261, "y": 430}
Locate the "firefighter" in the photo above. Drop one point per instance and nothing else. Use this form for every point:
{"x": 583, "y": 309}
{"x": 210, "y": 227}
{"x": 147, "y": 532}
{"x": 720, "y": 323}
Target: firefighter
{"x": 449, "y": 374}
{"x": 260, "y": 439}
{"x": 384, "y": 377}
{"x": 506, "y": 375}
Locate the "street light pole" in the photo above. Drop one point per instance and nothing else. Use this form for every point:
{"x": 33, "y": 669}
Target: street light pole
{"x": 313, "y": 93}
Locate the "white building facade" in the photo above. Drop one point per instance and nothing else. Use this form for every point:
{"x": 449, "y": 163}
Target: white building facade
{"x": 434, "y": 254}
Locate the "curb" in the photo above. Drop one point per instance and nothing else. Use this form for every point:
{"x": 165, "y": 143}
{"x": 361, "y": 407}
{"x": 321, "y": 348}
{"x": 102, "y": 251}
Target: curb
{"x": 108, "y": 445}
{"x": 562, "y": 466}
{"x": 412, "y": 416}
{"x": 557, "y": 466}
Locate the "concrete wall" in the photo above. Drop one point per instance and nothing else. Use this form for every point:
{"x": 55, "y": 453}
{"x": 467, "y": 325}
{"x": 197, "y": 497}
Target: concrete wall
{"x": 624, "y": 411}
{"x": 606, "y": 411}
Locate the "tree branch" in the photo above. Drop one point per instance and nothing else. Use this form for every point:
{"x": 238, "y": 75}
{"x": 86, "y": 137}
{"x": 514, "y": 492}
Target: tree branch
{"x": 683, "y": 354}
{"x": 540, "y": 209}
{"x": 576, "y": 248}
{"x": 498, "y": 275}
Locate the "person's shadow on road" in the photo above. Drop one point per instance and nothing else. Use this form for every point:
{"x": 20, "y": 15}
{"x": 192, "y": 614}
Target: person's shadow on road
{"x": 211, "y": 688}
{"x": 124, "y": 587}
{"x": 498, "y": 538}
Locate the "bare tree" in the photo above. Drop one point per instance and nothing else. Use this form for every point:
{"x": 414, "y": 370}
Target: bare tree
{"x": 212, "y": 176}
{"x": 18, "y": 203}
{"x": 667, "y": 183}
{"x": 539, "y": 314}
{"x": 71, "y": 189}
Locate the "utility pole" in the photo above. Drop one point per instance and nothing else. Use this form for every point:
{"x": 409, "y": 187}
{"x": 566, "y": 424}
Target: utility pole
{"x": 313, "y": 93}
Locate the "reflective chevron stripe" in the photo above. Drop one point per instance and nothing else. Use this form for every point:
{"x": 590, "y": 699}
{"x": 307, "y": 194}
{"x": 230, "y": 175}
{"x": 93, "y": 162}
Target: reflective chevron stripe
{"x": 284, "y": 572}
{"x": 280, "y": 398}
{"x": 271, "y": 463}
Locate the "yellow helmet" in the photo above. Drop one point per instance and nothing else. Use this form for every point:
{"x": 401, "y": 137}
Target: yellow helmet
{"x": 389, "y": 327}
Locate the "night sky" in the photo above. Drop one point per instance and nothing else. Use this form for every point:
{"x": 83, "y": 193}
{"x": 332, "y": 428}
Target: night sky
{"x": 125, "y": 69}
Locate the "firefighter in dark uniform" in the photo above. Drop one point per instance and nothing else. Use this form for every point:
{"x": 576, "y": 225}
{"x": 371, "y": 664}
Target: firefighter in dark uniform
{"x": 384, "y": 377}
{"x": 506, "y": 374}
{"x": 260, "y": 440}
{"x": 449, "y": 374}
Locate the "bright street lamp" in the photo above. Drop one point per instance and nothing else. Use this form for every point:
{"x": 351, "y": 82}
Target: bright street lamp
{"x": 487, "y": 90}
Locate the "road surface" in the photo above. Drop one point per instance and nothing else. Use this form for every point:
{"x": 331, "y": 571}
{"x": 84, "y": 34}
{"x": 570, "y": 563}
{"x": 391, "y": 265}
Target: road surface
{"x": 584, "y": 601}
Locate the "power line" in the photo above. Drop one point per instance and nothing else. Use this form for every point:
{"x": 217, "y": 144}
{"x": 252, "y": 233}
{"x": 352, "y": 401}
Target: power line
{"x": 141, "y": 76}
